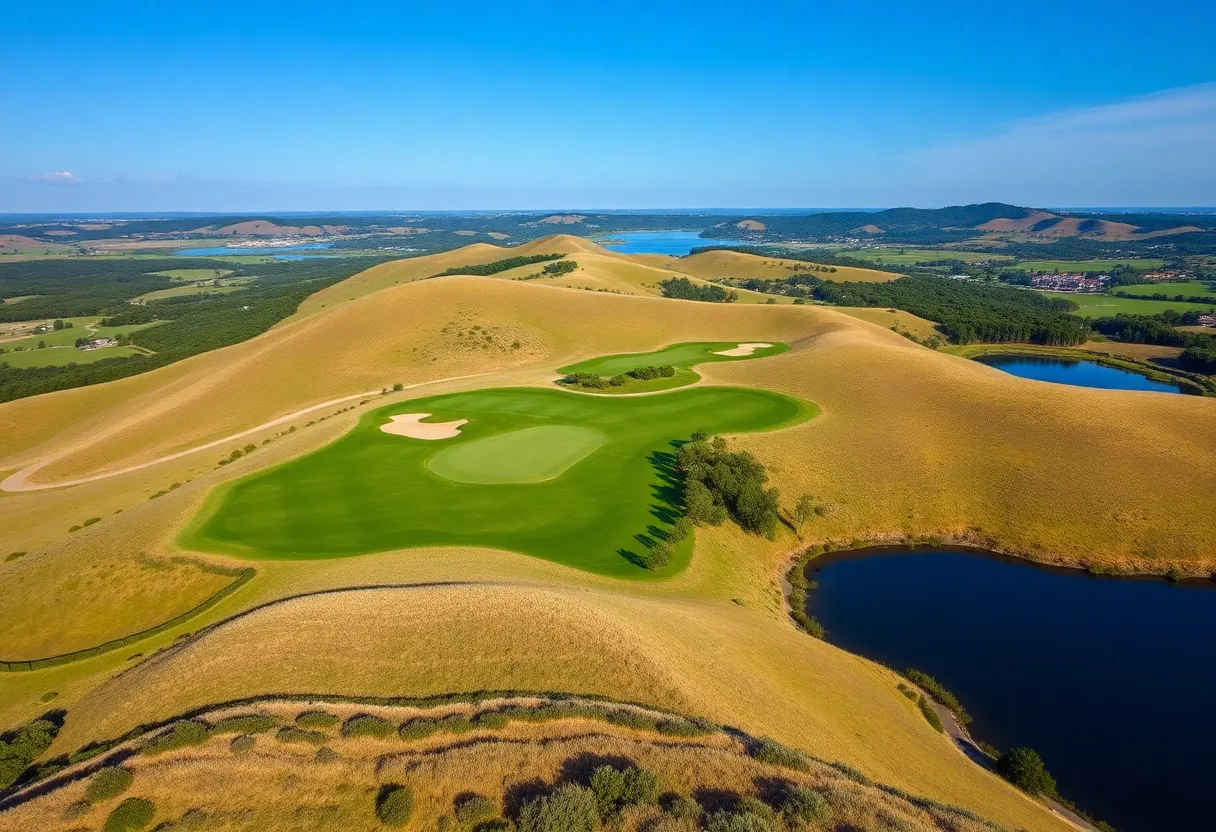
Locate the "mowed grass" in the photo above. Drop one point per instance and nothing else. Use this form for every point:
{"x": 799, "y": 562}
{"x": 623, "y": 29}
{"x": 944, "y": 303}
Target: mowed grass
{"x": 908, "y": 256}
{"x": 1086, "y": 265}
{"x": 1098, "y": 306}
{"x": 1189, "y": 288}
{"x": 60, "y": 356}
{"x": 680, "y": 356}
{"x": 596, "y": 508}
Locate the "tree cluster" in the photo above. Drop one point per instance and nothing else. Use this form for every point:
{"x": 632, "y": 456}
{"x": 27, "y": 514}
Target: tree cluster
{"x": 486, "y": 269}
{"x": 19, "y": 748}
{"x": 1154, "y": 329}
{"x": 594, "y": 381}
{"x": 720, "y": 484}
{"x": 685, "y": 289}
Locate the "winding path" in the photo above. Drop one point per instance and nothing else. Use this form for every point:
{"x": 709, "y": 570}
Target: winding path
{"x": 20, "y": 480}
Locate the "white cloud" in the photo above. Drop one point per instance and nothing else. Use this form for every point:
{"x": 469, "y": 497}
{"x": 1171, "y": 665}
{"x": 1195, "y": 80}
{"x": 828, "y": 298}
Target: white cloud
{"x": 59, "y": 177}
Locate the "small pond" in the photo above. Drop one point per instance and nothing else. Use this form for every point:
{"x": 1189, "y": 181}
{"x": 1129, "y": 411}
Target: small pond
{"x": 277, "y": 251}
{"x": 1078, "y": 373}
{"x": 678, "y": 243}
{"x": 1111, "y": 680}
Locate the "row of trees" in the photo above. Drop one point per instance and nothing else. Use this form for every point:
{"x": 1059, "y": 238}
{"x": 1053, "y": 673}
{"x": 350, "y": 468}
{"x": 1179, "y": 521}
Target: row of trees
{"x": 486, "y": 269}
{"x": 685, "y": 289}
{"x": 595, "y": 381}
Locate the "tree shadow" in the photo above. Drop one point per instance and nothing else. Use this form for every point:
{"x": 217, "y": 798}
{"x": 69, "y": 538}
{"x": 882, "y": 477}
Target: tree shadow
{"x": 517, "y": 794}
{"x": 713, "y": 800}
{"x": 580, "y": 767}
{"x": 668, "y": 505}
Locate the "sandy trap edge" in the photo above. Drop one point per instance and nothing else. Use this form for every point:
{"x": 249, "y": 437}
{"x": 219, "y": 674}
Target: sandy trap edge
{"x": 743, "y": 349}
{"x": 411, "y": 425}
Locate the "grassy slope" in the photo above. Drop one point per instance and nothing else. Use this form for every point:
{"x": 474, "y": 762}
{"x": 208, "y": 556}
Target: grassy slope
{"x": 909, "y": 441}
{"x": 887, "y": 318}
{"x": 1097, "y": 306}
{"x": 712, "y": 265}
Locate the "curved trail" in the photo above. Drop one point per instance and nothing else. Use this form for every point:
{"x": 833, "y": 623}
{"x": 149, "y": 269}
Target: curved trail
{"x": 20, "y": 480}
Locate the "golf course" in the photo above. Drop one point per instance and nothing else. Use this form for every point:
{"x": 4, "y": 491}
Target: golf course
{"x": 577, "y": 480}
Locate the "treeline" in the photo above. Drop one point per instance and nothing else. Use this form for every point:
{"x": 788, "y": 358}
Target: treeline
{"x": 194, "y": 324}
{"x": 966, "y": 311}
{"x": 685, "y": 289}
{"x": 486, "y": 269}
{"x": 816, "y": 258}
{"x": 1154, "y": 329}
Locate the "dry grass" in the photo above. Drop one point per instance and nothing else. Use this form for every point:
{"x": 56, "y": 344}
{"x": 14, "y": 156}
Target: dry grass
{"x": 713, "y": 265}
{"x": 280, "y": 786}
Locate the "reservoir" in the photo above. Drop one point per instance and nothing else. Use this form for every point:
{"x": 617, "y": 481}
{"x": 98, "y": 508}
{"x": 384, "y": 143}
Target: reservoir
{"x": 223, "y": 251}
{"x": 1111, "y": 680}
{"x": 678, "y": 243}
{"x": 1079, "y": 373}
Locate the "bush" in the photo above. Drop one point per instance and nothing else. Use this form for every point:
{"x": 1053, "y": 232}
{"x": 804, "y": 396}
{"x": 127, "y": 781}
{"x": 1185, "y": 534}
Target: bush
{"x": 456, "y": 724}
{"x": 297, "y": 735}
{"x": 616, "y": 789}
{"x": 417, "y": 729}
{"x": 682, "y": 808}
{"x": 316, "y": 720}
{"x": 27, "y": 743}
{"x": 366, "y": 725}
{"x": 475, "y": 808}
{"x": 724, "y": 821}
{"x": 938, "y": 691}
{"x": 493, "y": 720}
{"x": 326, "y": 755}
{"x": 775, "y": 754}
{"x": 1023, "y": 767}
{"x": 930, "y": 715}
{"x": 181, "y": 735}
{"x": 132, "y": 814}
{"x": 569, "y": 809}
{"x": 495, "y": 825}
{"x": 242, "y": 744}
{"x": 394, "y": 805}
{"x": 245, "y": 724}
{"x": 108, "y": 783}
{"x": 804, "y": 805}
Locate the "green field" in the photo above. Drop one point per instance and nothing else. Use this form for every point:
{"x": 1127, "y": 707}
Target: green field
{"x": 226, "y": 286}
{"x": 908, "y": 256}
{"x": 575, "y": 479}
{"x": 1086, "y": 265}
{"x": 194, "y": 274}
{"x": 60, "y": 345}
{"x": 682, "y": 356}
{"x": 1189, "y": 288}
{"x": 1099, "y": 306}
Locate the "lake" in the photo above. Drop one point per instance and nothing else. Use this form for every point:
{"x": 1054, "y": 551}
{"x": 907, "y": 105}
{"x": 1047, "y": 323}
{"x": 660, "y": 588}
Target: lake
{"x": 278, "y": 251}
{"x": 678, "y": 243}
{"x": 1111, "y": 680}
{"x": 1078, "y": 373}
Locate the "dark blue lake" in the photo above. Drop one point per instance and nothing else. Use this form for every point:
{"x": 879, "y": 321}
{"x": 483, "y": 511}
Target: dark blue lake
{"x": 221, "y": 251}
{"x": 1079, "y": 373}
{"x": 1111, "y": 680}
{"x": 678, "y": 243}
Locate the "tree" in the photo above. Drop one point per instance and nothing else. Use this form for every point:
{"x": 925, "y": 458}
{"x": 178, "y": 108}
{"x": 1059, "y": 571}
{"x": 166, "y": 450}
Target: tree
{"x": 571, "y": 808}
{"x": 58, "y": 325}
{"x": 803, "y": 511}
{"x": 1024, "y": 768}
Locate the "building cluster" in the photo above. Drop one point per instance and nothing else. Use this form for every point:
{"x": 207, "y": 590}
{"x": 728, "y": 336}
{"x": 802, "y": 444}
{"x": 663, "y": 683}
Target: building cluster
{"x": 1070, "y": 282}
{"x": 96, "y": 343}
{"x": 1207, "y": 320}
{"x": 1166, "y": 277}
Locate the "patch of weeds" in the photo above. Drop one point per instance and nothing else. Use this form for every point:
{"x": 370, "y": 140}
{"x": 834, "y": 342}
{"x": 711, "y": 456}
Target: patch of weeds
{"x": 297, "y": 735}
{"x": 132, "y": 814}
{"x": 108, "y": 783}
{"x": 417, "y": 729}
{"x": 775, "y": 754}
{"x": 242, "y": 744}
{"x": 365, "y": 725}
{"x": 15, "y": 556}
{"x": 181, "y": 735}
{"x": 317, "y": 720}
{"x": 394, "y": 805}
{"x": 245, "y": 724}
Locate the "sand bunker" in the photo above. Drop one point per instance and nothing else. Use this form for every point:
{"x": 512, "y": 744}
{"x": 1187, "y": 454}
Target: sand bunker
{"x": 411, "y": 425}
{"x": 743, "y": 349}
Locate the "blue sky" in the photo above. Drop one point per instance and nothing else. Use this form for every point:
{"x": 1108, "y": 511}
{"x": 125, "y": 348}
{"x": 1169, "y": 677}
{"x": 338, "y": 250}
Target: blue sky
{"x": 466, "y": 105}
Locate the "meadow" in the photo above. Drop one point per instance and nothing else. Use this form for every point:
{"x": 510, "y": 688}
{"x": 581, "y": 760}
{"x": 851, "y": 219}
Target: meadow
{"x": 543, "y": 472}
{"x": 1189, "y": 288}
{"x": 895, "y": 256}
{"x": 1099, "y": 306}
{"x": 60, "y": 347}
{"x": 1086, "y": 265}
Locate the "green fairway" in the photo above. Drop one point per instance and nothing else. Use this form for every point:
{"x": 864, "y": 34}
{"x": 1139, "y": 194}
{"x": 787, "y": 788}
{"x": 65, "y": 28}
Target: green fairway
{"x": 681, "y": 356}
{"x": 580, "y": 480}
{"x": 1099, "y": 306}
{"x": 1086, "y": 265}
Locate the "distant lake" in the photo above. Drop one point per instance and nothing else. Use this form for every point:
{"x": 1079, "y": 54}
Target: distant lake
{"x": 1078, "y": 373}
{"x": 1111, "y": 680}
{"x": 678, "y": 243}
{"x": 222, "y": 251}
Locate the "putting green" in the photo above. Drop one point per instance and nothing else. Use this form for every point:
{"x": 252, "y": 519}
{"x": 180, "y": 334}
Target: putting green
{"x": 528, "y": 455}
{"x": 594, "y": 508}
{"x": 681, "y": 356}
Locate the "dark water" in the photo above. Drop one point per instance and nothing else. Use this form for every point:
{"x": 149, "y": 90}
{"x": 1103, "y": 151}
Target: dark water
{"x": 1079, "y": 373}
{"x": 678, "y": 243}
{"x": 1112, "y": 681}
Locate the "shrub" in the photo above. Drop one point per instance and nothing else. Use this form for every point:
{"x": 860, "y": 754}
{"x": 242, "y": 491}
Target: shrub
{"x": 181, "y": 735}
{"x": 776, "y": 754}
{"x": 108, "y": 783}
{"x": 29, "y": 741}
{"x": 495, "y": 825}
{"x": 245, "y": 724}
{"x": 616, "y": 789}
{"x": 493, "y": 720}
{"x": 938, "y": 691}
{"x": 475, "y": 808}
{"x": 456, "y": 724}
{"x": 682, "y": 808}
{"x": 724, "y": 821}
{"x": 930, "y": 715}
{"x": 242, "y": 744}
{"x": 316, "y": 720}
{"x": 132, "y": 814}
{"x": 366, "y": 725}
{"x": 1023, "y": 767}
{"x": 326, "y": 755}
{"x": 804, "y": 805}
{"x": 394, "y": 805}
{"x": 569, "y": 809}
{"x": 417, "y": 729}
{"x": 297, "y": 735}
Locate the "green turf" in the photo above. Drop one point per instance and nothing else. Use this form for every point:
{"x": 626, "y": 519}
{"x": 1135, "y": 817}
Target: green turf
{"x": 531, "y": 454}
{"x": 681, "y": 356}
{"x": 908, "y": 256}
{"x": 1086, "y": 265}
{"x": 1190, "y": 288}
{"x": 194, "y": 274}
{"x": 1099, "y": 306}
{"x": 62, "y": 356}
{"x": 371, "y": 491}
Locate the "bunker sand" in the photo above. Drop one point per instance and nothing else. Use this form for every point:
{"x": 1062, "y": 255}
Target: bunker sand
{"x": 743, "y": 349}
{"x": 411, "y": 425}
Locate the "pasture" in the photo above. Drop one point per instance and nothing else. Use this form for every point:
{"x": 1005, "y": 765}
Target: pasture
{"x": 578, "y": 480}
{"x": 60, "y": 347}
{"x": 1100, "y": 306}
{"x": 1189, "y": 288}
{"x": 897, "y": 256}
{"x": 1086, "y": 265}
